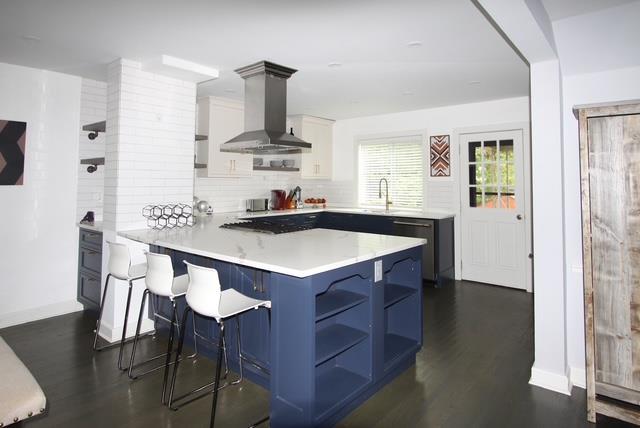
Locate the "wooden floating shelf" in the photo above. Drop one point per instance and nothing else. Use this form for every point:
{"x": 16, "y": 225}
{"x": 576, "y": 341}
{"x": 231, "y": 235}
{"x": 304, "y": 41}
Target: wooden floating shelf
{"x": 96, "y": 127}
{"x": 275, "y": 168}
{"x": 201, "y": 137}
{"x": 92, "y": 161}
{"x": 199, "y": 165}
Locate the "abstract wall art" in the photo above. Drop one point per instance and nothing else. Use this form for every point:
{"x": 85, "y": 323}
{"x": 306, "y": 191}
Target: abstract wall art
{"x": 440, "y": 156}
{"x": 13, "y": 138}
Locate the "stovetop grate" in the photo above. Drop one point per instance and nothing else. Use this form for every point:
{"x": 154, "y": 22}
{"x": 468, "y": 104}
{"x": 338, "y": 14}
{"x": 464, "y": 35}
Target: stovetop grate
{"x": 271, "y": 228}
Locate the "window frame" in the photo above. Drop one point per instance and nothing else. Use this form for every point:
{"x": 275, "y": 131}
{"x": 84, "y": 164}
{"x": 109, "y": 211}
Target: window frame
{"x": 421, "y": 134}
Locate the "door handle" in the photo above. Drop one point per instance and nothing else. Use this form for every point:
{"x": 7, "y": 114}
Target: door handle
{"x": 403, "y": 223}
{"x": 519, "y": 216}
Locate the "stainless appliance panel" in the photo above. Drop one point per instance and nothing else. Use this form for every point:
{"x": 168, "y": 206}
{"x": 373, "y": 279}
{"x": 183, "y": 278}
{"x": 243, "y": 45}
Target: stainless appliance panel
{"x": 261, "y": 204}
{"x": 419, "y": 228}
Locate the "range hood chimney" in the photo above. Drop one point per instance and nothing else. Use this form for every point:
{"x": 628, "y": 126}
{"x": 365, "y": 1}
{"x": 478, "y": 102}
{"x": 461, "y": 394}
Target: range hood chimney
{"x": 265, "y": 112}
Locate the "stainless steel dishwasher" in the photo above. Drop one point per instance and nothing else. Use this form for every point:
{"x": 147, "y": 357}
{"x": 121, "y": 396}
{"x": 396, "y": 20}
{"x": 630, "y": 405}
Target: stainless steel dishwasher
{"x": 419, "y": 228}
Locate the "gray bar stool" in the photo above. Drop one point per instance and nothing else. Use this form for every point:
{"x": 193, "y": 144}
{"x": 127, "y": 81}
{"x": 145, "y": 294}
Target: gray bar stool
{"x": 206, "y": 298}
{"x": 120, "y": 268}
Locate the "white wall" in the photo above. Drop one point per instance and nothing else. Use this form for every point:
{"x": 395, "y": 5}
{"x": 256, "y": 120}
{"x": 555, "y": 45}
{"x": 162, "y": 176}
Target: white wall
{"x": 612, "y": 85}
{"x": 93, "y": 108}
{"x": 39, "y": 252}
{"x": 440, "y": 194}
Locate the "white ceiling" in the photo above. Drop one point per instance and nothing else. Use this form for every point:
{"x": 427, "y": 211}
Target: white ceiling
{"x": 559, "y": 9}
{"x": 379, "y": 72}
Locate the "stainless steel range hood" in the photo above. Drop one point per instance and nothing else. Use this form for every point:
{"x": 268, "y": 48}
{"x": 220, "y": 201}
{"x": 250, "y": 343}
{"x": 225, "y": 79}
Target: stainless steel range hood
{"x": 265, "y": 112}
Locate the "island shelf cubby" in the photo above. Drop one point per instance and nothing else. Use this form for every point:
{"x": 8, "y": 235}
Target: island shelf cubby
{"x": 402, "y": 314}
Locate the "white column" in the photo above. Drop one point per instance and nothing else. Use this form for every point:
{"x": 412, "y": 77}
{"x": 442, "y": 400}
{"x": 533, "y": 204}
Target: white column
{"x": 148, "y": 160}
{"x": 550, "y": 369}
{"x": 526, "y": 24}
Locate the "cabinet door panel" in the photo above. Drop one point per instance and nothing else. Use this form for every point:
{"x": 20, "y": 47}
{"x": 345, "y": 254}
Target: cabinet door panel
{"x": 614, "y": 176}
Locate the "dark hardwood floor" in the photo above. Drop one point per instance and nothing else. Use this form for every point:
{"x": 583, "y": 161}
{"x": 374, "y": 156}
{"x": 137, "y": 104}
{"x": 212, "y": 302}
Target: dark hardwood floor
{"x": 472, "y": 372}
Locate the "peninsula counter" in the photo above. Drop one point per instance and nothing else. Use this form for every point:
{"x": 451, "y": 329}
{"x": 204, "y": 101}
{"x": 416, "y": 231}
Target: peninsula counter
{"x": 346, "y": 313}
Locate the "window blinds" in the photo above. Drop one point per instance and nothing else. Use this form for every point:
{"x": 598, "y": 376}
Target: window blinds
{"x": 399, "y": 160}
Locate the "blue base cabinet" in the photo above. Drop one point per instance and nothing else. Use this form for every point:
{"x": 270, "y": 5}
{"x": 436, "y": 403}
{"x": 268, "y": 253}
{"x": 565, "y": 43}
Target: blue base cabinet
{"x": 335, "y": 338}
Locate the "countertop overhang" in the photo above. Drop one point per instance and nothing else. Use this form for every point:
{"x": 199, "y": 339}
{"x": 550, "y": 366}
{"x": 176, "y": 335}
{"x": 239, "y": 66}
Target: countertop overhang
{"x": 299, "y": 254}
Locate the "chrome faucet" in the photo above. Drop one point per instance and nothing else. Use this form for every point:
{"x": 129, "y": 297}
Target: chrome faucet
{"x": 387, "y": 202}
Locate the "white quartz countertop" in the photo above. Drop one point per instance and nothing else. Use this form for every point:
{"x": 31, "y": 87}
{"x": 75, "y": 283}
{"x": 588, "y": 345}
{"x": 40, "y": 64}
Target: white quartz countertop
{"x": 432, "y": 215}
{"x": 298, "y": 254}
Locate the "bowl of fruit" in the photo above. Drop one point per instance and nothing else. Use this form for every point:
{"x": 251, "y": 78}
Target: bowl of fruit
{"x": 316, "y": 202}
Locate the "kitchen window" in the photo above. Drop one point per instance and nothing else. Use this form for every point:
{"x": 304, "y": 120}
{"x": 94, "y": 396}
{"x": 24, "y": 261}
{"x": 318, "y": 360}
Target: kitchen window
{"x": 400, "y": 161}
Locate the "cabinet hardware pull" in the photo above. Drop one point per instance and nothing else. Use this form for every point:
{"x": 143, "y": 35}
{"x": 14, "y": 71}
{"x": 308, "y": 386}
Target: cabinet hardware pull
{"x": 92, "y": 253}
{"x": 403, "y": 223}
{"x": 92, "y": 235}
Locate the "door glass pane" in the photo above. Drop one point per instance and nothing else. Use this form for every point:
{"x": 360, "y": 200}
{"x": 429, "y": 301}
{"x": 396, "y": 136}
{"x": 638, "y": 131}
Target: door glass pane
{"x": 475, "y": 151}
{"x": 507, "y": 174}
{"x": 506, "y": 150}
{"x": 473, "y": 170}
{"x": 490, "y": 151}
{"x": 508, "y": 200}
{"x": 475, "y": 196}
{"x": 491, "y": 197}
{"x": 490, "y": 171}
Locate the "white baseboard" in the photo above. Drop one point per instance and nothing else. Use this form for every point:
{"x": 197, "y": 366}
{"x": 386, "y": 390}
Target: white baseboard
{"x": 551, "y": 381}
{"x": 578, "y": 377}
{"x": 113, "y": 334}
{"x": 41, "y": 312}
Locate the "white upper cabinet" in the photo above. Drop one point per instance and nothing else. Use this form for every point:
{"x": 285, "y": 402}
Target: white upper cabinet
{"x": 220, "y": 119}
{"x": 319, "y": 132}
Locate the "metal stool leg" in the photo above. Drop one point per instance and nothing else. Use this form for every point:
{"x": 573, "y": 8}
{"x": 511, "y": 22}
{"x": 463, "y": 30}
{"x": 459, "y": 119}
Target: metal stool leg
{"x": 183, "y": 327}
{"x": 99, "y": 322}
{"x": 174, "y": 319}
{"x": 124, "y": 328}
{"x": 145, "y": 294}
{"x": 216, "y": 382}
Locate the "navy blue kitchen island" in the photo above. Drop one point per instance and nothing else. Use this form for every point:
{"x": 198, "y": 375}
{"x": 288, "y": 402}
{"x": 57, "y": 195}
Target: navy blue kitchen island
{"x": 335, "y": 337}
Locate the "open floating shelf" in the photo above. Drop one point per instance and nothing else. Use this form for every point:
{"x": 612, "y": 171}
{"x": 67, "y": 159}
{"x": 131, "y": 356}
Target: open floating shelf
{"x": 334, "y": 386}
{"x": 275, "y": 168}
{"x": 336, "y": 301}
{"x": 335, "y": 339}
{"x": 96, "y": 127}
{"x": 200, "y": 137}
{"x": 92, "y": 161}
{"x": 397, "y": 346}
{"x": 199, "y": 165}
{"x": 393, "y": 293}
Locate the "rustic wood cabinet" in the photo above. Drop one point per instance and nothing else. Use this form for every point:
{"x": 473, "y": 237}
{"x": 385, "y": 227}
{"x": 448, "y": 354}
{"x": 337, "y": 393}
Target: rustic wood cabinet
{"x": 610, "y": 181}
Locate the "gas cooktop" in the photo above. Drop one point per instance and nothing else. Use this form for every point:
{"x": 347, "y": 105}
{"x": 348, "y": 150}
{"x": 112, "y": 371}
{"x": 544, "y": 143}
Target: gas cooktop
{"x": 267, "y": 227}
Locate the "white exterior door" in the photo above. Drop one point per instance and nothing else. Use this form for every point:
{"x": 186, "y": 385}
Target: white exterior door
{"x": 493, "y": 208}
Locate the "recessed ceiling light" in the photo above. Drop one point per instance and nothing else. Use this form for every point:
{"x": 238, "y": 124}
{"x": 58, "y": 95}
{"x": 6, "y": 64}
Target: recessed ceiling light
{"x": 407, "y": 93}
{"x": 414, "y": 44}
{"x": 32, "y": 38}
{"x": 334, "y": 64}
{"x": 474, "y": 82}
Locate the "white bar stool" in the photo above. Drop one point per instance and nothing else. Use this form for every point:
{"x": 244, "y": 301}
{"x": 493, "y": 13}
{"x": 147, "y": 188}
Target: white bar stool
{"x": 160, "y": 281}
{"x": 120, "y": 268}
{"x": 206, "y": 298}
